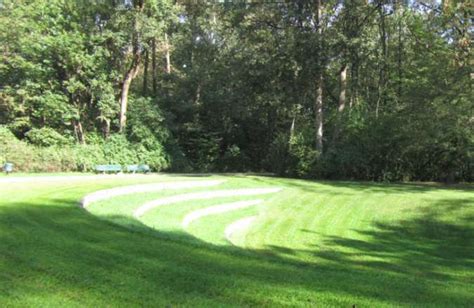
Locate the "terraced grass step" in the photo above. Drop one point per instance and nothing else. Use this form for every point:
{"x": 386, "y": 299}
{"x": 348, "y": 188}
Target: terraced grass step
{"x": 144, "y": 188}
{"x": 205, "y": 195}
{"x": 181, "y": 198}
{"x": 312, "y": 244}
{"x": 237, "y": 228}
{"x": 218, "y": 209}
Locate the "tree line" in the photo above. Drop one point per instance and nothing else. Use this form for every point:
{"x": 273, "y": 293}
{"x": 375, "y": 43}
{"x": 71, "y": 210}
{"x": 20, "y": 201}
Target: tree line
{"x": 374, "y": 90}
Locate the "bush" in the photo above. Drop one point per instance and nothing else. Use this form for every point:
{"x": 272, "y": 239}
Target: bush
{"x": 13, "y": 150}
{"x": 76, "y": 157}
{"x": 176, "y": 159}
{"x": 233, "y": 160}
{"x": 304, "y": 155}
{"x": 117, "y": 150}
{"x": 293, "y": 156}
{"x": 46, "y": 137}
{"x": 87, "y": 156}
{"x": 278, "y": 158}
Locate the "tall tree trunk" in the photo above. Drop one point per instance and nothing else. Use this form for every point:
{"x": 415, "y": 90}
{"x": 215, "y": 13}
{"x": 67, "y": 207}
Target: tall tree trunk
{"x": 106, "y": 128}
{"x": 354, "y": 82}
{"x": 197, "y": 96}
{"x": 153, "y": 65}
{"x": 342, "y": 102}
{"x": 167, "y": 54}
{"x": 134, "y": 66}
{"x": 400, "y": 9}
{"x": 129, "y": 76}
{"x": 318, "y": 107}
{"x": 383, "y": 60}
{"x": 145, "y": 74}
{"x": 79, "y": 132}
{"x": 342, "y": 88}
{"x": 292, "y": 127}
{"x": 319, "y": 113}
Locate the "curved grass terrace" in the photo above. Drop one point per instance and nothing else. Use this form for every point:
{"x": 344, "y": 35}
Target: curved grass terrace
{"x": 306, "y": 244}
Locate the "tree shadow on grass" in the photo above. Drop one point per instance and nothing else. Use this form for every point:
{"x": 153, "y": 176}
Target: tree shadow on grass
{"x": 433, "y": 248}
{"x": 61, "y": 249}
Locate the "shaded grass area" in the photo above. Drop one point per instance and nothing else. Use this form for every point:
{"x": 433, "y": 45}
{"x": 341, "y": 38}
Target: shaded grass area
{"x": 54, "y": 253}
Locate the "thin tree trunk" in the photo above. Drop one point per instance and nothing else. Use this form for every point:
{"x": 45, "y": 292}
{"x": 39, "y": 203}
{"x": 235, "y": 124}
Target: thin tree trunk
{"x": 343, "y": 88}
{"x": 400, "y": 49}
{"x": 134, "y": 66}
{"x": 79, "y": 131}
{"x": 377, "y": 107}
{"x": 197, "y": 97}
{"x": 292, "y": 128}
{"x": 342, "y": 102}
{"x": 106, "y": 128}
{"x": 354, "y": 81}
{"x": 145, "y": 74}
{"x": 153, "y": 65}
{"x": 129, "y": 76}
{"x": 167, "y": 55}
{"x": 292, "y": 133}
{"x": 383, "y": 60}
{"x": 319, "y": 114}
{"x": 319, "y": 83}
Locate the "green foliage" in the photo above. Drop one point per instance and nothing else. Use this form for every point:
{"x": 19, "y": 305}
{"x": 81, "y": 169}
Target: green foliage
{"x": 278, "y": 159}
{"x": 54, "y": 157}
{"x": 294, "y": 155}
{"x": 29, "y": 158}
{"x": 234, "y": 160}
{"x": 118, "y": 150}
{"x": 147, "y": 127}
{"x": 203, "y": 150}
{"x": 304, "y": 155}
{"x": 240, "y": 76}
{"x": 46, "y": 137}
{"x": 6, "y": 136}
{"x": 87, "y": 156}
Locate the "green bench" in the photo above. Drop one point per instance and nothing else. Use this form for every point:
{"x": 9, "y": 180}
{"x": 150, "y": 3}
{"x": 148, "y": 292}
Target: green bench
{"x": 138, "y": 168}
{"x": 108, "y": 168}
{"x": 8, "y": 168}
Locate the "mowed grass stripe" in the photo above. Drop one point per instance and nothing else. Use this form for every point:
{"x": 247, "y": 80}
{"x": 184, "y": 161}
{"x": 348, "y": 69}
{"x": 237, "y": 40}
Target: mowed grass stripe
{"x": 211, "y": 229}
{"x": 144, "y": 188}
{"x": 217, "y": 209}
{"x": 204, "y": 195}
{"x": 407, "y": 245}
{"x": 170, "y": 218}
{"x": 125, "y": 205}
{"x": 287, "y": 216}
{"x": 235, "y": 231}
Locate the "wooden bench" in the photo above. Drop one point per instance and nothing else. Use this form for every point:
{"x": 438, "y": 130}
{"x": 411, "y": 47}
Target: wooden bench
{"x": 108, "y": 168}
{"x": 138, "y": 168}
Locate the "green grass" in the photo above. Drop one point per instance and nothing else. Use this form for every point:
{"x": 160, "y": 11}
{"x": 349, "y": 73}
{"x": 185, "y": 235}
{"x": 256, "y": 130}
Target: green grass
{"x": 313, "y": 244}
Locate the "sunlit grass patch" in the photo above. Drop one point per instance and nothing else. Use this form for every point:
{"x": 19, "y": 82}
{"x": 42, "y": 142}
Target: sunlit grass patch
{"x": 312, "y": 244}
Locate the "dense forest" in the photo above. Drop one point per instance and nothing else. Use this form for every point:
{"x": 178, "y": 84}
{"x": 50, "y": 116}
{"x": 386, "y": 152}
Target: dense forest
{"x": 372, "y": 90}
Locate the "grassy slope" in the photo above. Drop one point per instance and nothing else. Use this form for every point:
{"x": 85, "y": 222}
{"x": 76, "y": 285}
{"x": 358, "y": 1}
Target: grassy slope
{"x": 314, "y": 243}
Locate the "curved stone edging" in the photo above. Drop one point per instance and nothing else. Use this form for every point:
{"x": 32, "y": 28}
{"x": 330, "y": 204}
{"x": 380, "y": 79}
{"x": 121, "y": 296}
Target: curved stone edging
{"x": 142, "y": 188}
{"x": 202, "y": 196}
{"x": 236, "y": 226}
{"x": 218, "y": 209}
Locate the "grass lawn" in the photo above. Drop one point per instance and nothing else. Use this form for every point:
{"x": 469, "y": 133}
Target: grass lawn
{"x": 311, "y": 244}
